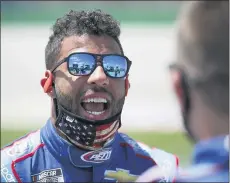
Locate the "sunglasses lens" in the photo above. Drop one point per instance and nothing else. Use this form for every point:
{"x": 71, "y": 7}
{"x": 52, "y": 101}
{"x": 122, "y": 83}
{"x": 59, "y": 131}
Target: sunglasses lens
{"x": 81, "y": 64}
{"x": 115, "y": 66}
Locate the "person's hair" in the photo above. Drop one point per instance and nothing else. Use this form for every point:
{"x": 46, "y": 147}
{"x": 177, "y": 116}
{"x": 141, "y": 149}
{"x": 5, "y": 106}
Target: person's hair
{"x": 93, "y": 22}
{"x": 203, "y": 50}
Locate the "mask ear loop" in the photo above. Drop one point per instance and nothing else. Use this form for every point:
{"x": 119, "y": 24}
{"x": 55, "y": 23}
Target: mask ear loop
{"x": 127, "y": 85}
{"x": 55, "y": 102}
{"x": 187, "y": 105}
{"x": 186, "y": 101}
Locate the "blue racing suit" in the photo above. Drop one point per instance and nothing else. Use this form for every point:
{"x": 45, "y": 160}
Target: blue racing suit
{"x": 44, "y": 156}
{"x": 210, "y": 162}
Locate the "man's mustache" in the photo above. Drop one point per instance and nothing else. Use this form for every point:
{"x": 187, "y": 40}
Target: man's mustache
{"x": 95, "y": 89}
{"x": 98, "y": 89}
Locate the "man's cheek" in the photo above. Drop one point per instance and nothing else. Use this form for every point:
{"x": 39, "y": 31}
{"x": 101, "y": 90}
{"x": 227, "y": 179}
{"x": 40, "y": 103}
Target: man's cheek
{"x": 119, "y": 88}
{"x": 63, "y": 84}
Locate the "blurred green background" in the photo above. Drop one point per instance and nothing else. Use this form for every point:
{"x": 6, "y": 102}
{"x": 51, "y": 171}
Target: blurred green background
{"x": 136, "y": 13}
{"x": 124, "y": 11}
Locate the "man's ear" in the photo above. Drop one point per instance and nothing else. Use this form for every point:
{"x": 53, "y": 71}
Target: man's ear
{"x": 177, "y": 86}
{"x": 46, "y": 83}
{"x": 127, "y": 85}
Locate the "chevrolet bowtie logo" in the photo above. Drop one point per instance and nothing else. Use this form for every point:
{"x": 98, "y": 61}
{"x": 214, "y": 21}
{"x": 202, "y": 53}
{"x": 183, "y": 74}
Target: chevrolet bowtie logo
{"x": 120, "y": 175}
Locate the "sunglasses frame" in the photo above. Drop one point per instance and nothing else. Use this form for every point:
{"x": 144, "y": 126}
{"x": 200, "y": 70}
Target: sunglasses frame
{"x": 98, "y": 62}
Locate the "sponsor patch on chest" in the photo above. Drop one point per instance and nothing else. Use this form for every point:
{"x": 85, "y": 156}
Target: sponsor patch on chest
{"x": 52, "y": 175}
{"x": 120, "y": 175}
{"x": 97, "y": 156}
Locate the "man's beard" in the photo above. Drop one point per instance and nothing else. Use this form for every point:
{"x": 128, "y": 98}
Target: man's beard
{"x": 69, "y": 121}
{"x": 71, "y": 104}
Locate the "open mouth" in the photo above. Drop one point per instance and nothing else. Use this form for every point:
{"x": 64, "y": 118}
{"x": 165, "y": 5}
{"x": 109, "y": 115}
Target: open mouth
{"x": 95, "y": 107}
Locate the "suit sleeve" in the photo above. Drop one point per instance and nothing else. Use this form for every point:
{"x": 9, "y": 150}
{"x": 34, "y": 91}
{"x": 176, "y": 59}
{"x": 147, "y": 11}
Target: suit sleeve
{"x": 6, "y": 170}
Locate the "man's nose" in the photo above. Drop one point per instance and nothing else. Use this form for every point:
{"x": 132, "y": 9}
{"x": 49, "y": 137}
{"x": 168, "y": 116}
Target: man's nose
{"x": 98, "y": 77}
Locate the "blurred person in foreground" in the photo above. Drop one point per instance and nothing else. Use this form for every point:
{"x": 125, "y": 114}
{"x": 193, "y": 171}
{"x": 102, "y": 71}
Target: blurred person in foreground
{"x": 201, "y": 81}
{"x": 80, "y": 142}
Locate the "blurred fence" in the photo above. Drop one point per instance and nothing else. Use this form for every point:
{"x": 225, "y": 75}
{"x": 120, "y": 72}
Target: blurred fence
{"x": 151, "y": 104}
{"x": 124, "y": 11}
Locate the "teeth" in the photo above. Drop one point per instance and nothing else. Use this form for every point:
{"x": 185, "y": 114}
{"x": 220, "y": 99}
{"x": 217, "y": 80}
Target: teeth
{"x": 95, "y": 112}
{"x": 95, "y": 100}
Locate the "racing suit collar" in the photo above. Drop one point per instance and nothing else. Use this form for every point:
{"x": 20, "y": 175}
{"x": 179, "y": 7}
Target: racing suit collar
{"x": 66, "y": 152}
{"x": 215, "y": 150}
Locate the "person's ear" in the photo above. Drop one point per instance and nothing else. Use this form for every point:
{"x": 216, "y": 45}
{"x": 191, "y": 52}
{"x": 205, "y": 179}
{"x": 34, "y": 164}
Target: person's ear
{"x": 46, "y": 83}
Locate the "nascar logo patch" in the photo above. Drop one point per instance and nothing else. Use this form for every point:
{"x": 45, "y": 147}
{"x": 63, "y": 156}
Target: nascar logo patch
{"x": 52, "y": 175}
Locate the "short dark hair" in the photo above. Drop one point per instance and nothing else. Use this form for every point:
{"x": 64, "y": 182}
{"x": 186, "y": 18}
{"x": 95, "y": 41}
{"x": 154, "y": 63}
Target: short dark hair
{"x": 93, "y": 22}
{"x": 203, "y": 50}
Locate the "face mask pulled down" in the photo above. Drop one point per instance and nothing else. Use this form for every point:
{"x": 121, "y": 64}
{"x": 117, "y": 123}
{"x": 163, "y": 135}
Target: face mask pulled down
{"x": 86, "y": 134}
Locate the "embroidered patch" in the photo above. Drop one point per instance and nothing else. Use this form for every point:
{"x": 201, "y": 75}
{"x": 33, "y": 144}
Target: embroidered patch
{"x": 52, "y": 175}
{"x": 120, "y": 175}
{"x": 97, "y": 156}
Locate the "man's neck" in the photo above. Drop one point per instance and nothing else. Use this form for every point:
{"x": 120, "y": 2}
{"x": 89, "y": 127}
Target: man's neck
{"x": 211, "y": 127}
{"x": 207, "y": 123}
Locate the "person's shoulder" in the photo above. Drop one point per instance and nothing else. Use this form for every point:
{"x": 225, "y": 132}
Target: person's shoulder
{"x": 166, "y": 162}
{"x": 21, "y": 146}
{"x": 159, "y": 155}
{"x": 18, "y": 150}
{"x": 205, "y": 172}
{"x": 137, "y": 147}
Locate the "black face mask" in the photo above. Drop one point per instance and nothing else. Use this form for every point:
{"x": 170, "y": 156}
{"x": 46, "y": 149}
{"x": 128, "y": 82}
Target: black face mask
{"x": 85, "y": 133}
{"x": 187, "y": 108}
{"x": 186, "y": 102}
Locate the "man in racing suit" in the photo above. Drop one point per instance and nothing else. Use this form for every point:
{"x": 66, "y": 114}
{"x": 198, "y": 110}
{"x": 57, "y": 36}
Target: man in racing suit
{"x": 81, "y": 142}
{"x": 201, "y": 82}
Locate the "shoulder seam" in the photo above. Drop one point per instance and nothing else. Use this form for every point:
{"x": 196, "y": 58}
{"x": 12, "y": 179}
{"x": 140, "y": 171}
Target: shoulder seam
{"x": 15, "y": 150}
{"x": 22, "y": 138}
{"x": 13, "y": 164}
